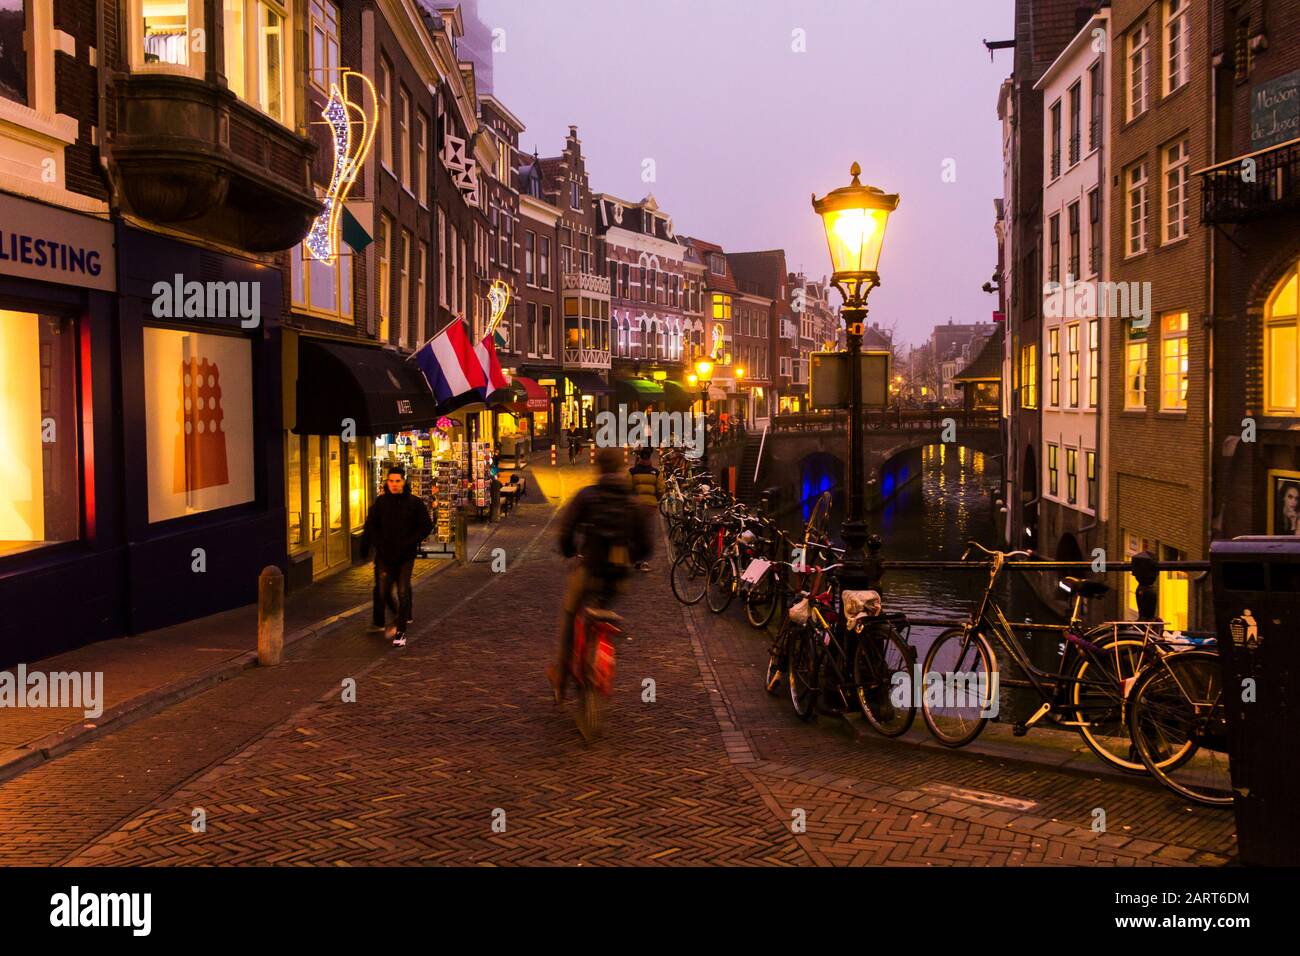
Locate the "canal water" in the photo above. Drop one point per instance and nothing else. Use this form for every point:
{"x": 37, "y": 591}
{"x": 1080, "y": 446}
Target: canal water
{"x": 931, "y": 517}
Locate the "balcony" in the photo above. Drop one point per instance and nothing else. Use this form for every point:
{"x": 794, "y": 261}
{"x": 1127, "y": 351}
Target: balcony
{"x": 584, "y": 282}
{"x": 191, "y": 155}
{"x": 1229, "y": 195}
{"x": 586, "y": 358}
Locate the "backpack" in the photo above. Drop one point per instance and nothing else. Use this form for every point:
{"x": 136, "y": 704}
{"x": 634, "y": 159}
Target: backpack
{"x": 607, "y": 533}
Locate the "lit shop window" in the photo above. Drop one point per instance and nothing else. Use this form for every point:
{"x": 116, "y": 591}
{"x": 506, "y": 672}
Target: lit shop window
{"x": 322, "y": 289}
{"x": 39, "y": 466}
{"x": 198, "y": 399}
{"x": 1173, "y": 362}
{"x": 165, "y": 30}
{"x": 1282, "y": 345}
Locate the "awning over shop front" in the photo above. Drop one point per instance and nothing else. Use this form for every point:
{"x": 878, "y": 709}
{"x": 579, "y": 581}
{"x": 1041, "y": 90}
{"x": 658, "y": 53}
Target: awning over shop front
{"x": 640, "y": 389}
{"x": 534, "y": 396}
{"x": 589, "y": 383}
{"x": 717, "y": 394}
{"x": 677, "y": 397}
{"x": 372, "y": 387}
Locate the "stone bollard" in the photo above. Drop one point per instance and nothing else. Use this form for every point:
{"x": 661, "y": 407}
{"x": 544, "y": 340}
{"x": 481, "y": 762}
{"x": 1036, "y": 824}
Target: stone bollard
{"x": 270, "y": 616}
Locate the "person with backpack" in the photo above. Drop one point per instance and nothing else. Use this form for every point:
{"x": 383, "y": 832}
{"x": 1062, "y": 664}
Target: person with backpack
{"x": 648, "y": 485}
{"x": 397, "y": 523}
{"x": 608, "y": 532}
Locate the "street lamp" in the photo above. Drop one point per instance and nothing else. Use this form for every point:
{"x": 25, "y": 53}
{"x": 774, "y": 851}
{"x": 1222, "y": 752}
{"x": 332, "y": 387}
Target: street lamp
{"x": 704, "y": 376}
{"x": 855, "y": 217}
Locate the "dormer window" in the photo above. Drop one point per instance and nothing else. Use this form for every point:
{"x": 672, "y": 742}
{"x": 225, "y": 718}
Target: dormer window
{"x": 649, "y": 223}
{"x": 717, "y": 265}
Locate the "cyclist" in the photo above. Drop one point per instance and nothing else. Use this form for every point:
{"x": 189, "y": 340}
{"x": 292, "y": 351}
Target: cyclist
{"x": 649, "y": 487}
{"x": 605, "y": 526}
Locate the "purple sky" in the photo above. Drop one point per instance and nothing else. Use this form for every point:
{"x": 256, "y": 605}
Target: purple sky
{"x": 742, "y": 129}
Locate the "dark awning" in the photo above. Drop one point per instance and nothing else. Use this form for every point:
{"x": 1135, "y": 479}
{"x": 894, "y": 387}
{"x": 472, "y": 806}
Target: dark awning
{"x": 639, "y": 389}
{"x": 677, "y": 397}
{"x": 589, "y": 383}
{"x": 371, "y": 386}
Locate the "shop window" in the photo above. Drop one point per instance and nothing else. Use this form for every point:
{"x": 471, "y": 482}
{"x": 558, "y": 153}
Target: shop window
{"x": 198, "y": 399}
{"x": 297, "y": 529}
{"x": 164, "y": 30}
{"x": 1282, "y": 345}
{"x": 39, "y": 464}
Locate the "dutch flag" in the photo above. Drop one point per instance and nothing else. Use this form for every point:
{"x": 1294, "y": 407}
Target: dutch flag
{"x": 459, "y": 371}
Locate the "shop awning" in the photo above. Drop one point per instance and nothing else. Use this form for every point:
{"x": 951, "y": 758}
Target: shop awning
{"x": 642, "y": 389}
{"x": 535, "y": 397}
{"x": 717, "y": 394}
{"x": 589, "y": 383}
{"x": 373, "y": 387}
{"x": 677, "y": 397}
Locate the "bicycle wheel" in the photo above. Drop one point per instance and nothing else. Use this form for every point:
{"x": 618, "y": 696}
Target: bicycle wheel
{"x": 882, "y": 672}
{"x": 761, "y": 602}
{"x": 777, "y": 657}
{"x": 1179, "y": 726}
{"x": 722, "y": 584}
{"x": 1099, "y": 701}
{"x": 689, "y": 577}
{"x": 965, "y": 670}
{"x": 803, "y": 672}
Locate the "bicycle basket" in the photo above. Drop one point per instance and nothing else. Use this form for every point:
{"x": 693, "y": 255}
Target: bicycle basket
{"x": 859, "y": 605}
{"x": 799, "y": 613}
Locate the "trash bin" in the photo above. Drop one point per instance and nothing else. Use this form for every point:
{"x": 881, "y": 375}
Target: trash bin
{"x": 1257, "y": 618}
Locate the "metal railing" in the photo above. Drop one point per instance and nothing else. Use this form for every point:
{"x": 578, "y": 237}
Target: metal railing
{"x": 1260, "y": 184}
{"x": 886, "y": 420}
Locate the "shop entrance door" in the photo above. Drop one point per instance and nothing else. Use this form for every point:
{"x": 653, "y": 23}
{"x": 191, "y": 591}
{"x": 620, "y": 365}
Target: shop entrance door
{"x": 327, "y": 519}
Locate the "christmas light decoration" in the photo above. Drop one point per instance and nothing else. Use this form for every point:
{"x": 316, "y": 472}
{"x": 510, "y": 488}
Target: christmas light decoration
{"x": 350, "y": 151}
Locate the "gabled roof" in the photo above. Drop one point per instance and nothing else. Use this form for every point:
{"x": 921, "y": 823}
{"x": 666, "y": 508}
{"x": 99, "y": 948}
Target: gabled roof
{"x": 722, "y": 283}
{"x": 766, "y": 269}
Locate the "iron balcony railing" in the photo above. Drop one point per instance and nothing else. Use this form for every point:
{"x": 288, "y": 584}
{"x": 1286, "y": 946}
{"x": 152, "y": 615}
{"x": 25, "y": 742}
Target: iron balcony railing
{"x": 1257, "y": 185}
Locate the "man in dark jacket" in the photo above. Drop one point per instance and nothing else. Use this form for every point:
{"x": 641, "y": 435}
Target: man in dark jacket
{"x": 397, "y": 523}
{"x": 610, "y": 531}
{"x": 648, "y": 486}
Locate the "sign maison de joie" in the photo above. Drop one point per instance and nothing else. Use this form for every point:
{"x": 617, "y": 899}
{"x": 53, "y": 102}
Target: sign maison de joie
{"x": 55, "y": 245}
{"x": 1275, "y": 111}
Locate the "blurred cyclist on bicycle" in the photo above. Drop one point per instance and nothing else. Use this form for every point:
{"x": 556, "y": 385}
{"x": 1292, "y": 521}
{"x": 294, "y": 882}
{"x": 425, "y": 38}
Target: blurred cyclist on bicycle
{"x": 609, "y": 530}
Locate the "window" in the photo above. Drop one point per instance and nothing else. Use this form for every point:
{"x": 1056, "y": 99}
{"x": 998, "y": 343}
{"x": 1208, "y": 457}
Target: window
{"x": 575, "y": 195}
{"x": 1056, "y": 139}
{"x": 322, "y": 289}
{"x": 271, "y": 73}
{"x": 404, "y": 135}
{"x": 1137, "y": 71}
{"x": 1137, "y": 209}
{"x": 40, "y": 480}
{"x": 236, "y": 64}
{"x": 384, "y": 247}
{"x": 1173, "y": 361}
{"x": 404, "y": 290}
{"x": 198, "y": 400}
{"x": 546, "y": 332}
{"x": 532, "y": 330}
{"x": 1029, "y": 376}
{"x": 1135, "y": 368}
{"x": 1076, "y": 113}
{"x": 1241, "y": 51}
{"x": 1054, "y": 367}
{"x": 442, "y": 259}
{"x": 506, "y": 240}
{"x": 1094, "y": 361}
{"x": 1090, "y": 469}
{"x": 1096, "y": 104}
{"x": 1072, "y": 215}
{"x": 625, "y": 282}
{"x": 584, "y": 253}
{"x": 1054, "y": 250}
{"x": 717, "y": 265}
{"x": 1178, "y": 58}
{"x": 613, "y": 278}
{"x": 1052, "y": 472}
{"x": 544, "y": 263}
{"x": 1072, "y": 475}
{"x": 1094, "y": 232}
{"x": 421, "y": 300}
{"x": 384, "y": 89}
{"x": 422, "y": 159}
{"x": 324, "y": 27}
{"x": 1282, "y": 345}
{"x": 648, "y": 221}
{"x": 1072, "y": 346}
{"x": 530, "y": 243}
{"x": 165, "y": 29}
{"x": 1176, "y": 204}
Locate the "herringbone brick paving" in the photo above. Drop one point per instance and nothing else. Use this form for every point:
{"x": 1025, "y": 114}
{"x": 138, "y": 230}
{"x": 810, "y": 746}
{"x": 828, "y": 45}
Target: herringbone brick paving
{"x": 456, "y": 732}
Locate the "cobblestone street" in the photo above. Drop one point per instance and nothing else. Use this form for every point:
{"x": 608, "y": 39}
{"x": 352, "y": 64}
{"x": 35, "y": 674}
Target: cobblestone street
{"x": 457, "y": 731}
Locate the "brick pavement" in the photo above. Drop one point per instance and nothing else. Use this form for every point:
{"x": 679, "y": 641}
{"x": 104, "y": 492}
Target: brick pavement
{"x": 457, "y": 731}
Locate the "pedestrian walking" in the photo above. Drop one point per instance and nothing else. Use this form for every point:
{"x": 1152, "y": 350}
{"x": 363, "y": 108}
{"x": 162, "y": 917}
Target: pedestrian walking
{"x": 575, "y": 444}
{"x": 397, "y": 523}
{"x": 648, "y": 486}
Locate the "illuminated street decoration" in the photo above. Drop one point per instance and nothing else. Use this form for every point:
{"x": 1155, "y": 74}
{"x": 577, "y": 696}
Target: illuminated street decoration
{"x": 718, "y": 332}
{"x": 350, "y": 151}
{"x": 498, "y": 299}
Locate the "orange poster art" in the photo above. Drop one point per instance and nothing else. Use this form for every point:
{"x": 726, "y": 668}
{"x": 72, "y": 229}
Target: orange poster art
{"x": 200, "y": 460}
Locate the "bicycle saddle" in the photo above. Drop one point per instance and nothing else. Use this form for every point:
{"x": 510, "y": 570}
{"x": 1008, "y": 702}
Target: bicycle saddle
{"x": 1088, "y": 589}
{"x": 602, "y": 615}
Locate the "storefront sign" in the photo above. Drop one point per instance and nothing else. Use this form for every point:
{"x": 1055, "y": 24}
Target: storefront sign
{"x": 1275, "y": 111}
{"x": 55, "y": 245}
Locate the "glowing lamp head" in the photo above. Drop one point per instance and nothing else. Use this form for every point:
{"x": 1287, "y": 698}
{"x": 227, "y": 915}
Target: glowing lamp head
{"x": 740, "y": 373}
{"x": 704, "y": 370}
{"x": 855, "y": 217}
{"x": 692, "y": 379}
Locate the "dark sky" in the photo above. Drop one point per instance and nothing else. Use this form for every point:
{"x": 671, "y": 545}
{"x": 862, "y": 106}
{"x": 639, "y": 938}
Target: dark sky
{"x": 742, "y": 128}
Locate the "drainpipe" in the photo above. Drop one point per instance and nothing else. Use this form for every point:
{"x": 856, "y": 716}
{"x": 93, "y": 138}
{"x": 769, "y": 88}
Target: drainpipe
{"x": 1208, "y": 496}
{"x": 101, "y": 126}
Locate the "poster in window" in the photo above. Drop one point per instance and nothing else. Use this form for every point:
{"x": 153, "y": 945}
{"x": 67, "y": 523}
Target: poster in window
{"x": 1283, "y": 502}
{"x": 199, "y": 421}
